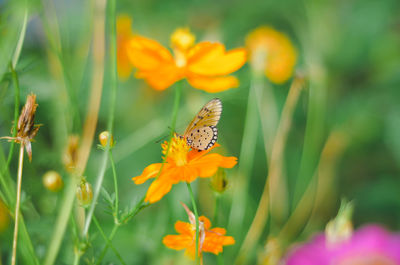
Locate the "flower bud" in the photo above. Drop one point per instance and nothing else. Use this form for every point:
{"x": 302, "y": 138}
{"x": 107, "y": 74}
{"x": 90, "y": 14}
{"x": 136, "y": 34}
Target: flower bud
{"x": 104, "y": 138}
{"x": 70, "y": 156}
{"x": 219, "y": 183}
{"x": 84, "y": 193}
{"x": 340, "y": 229}
{"x": 52, "y": 181}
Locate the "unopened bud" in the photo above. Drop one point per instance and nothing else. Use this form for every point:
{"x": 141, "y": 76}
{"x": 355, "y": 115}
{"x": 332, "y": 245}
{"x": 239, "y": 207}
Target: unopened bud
{"x": 84, "y": 193}
{"x": 52, "y": 181}
{"x": 340, "y": 229}
{"x": 70, "y": 156}
{"x": 219, "y": 182}
{"x": 104, "y": 137}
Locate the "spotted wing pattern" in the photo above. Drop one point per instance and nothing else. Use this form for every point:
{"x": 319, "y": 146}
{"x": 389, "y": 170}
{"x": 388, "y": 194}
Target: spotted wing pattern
{"x": 202, "y": 138}
{"x": 202, "y": 133}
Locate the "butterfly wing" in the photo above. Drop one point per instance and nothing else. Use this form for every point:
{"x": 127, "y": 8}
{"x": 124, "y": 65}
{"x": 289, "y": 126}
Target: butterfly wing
{"x": 202, "y": 133}
{"x": 208, "y": 116}
{"x": 202, "y": 138}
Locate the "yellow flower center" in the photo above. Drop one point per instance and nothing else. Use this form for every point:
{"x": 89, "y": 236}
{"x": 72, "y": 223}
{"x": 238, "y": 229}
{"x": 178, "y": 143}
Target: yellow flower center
{"x": 181, "y": 40}
{"x": 178, "y": 150}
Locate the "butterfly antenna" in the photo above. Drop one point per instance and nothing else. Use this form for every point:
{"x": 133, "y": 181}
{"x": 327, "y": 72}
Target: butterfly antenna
{"x": 162, "y": 138}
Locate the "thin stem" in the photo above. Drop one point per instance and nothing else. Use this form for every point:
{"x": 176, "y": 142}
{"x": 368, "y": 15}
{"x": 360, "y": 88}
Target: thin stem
{"x": 21, "y": 38}
{"x": 77, "y": 257}
{"x": 216, "y": 208}
{"x": 276, "y": 160}
{"x": 246, "y": 159}
{"x": 113, "y": 96}
{"x": 17, "y": 204}
{"x": 139, "y": 206}
{"x": 108, "y": 241}
{"x": 3, "y": 180}
{"x": 197, "y": 220}
{"x": 110, "y": 237}
{"x": 16, "y": 110}
{"x": 62, "y": 220}
{"x": 116, "y": 213}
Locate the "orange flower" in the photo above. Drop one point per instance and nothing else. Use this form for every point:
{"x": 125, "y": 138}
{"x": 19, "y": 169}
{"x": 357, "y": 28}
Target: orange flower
{"x": 271, "y": 52}
{"x": 210, "y": 240}
{"x": 124, "y": 34}
{"x": 205, "y": 65}
{"x": 182, "y": 164}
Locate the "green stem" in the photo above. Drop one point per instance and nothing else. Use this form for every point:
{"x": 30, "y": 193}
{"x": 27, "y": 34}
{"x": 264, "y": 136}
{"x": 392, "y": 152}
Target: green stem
{"x": 108, "y": 241}
{"x": 110, "y": 238}
{"x": 197, "y": 221}
{"x": 246, "y": 159}
{"x": 110, "y": 122}
{"x": 216, "y": 208}
{"x": 16, "y": 110}
{"x": 17, "y": 204}
{"x": 313, "y": 140}
{"x": 21, "y": 38}
{"x": 139, "y": 206}
{"x": 62, "y": 220}
{"x": 6, "y": 182}
{"x": 77, "y": 257}
{"x": 116, "y": 213}
{"x": 177, "y": 99}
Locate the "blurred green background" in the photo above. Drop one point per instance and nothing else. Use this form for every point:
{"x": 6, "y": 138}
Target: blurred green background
{"x": 351, "y": 48}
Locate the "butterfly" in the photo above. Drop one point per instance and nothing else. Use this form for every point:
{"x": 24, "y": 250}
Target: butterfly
{"x": 202, "y": 133}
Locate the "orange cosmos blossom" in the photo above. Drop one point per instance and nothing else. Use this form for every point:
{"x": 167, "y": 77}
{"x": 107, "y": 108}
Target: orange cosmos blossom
{"x": 271, "y": 52}
{"x": 210, "y": 240}
{"x": 206, "y": 65}
{"x": 182, "y": 164}
{"x": 124, "y": 34}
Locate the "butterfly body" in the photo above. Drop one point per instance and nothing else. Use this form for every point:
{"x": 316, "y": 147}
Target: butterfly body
{"x": 202, "y": 133}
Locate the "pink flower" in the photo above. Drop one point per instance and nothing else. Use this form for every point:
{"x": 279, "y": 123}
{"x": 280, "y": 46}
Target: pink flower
{"x": 370, "y": 245}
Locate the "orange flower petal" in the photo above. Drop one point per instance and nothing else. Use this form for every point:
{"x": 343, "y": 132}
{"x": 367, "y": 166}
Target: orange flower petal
{"x": 123, "y": 26}
{"x": 213, "y": 84}
{"x": 215, "y": 240}
{"x": 190, "y": 251}
{"x": 217, "y": 231}
{"x": 177, "y": 242}
{"x": 188, "y": 173}
{"x": 124, "y": 34}
{"x": 194, "y": 154}
{"x": 147, "y": 54}
{"x": 208, "y": 165}
{"x": 160, "y": 187}
{"x": 150, "y": 171}
{"x": 228, "y": 162}
{"x": 213, "y": 60}
{"x": 206, "y": 222}
{"x": 162, "y": 77}
{"x": 123, "y": 65}
{"x": 184, "y": 228}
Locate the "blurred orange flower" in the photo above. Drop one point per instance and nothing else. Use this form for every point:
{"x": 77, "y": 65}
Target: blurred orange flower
{"x": 124, "y": 34}
{"x": 271, "y": 52}
{"x": 205, "y": 65}
{"x": 210, "y": 240}
{"x": 182, "y": 164}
